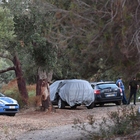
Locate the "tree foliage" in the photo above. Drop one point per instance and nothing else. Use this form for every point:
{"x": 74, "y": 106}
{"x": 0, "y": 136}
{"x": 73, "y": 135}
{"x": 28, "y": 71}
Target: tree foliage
{"x": 8, "y": 48}
{"x": 6, "y": 25}
{"x": 100, "y": 36}
{"x": 79, "y": 39}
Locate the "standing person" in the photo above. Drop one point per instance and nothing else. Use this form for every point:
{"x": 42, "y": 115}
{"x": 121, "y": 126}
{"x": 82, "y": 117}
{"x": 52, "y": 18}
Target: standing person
{"x": 133, "y": 87}
{"x": 120, "y": 84}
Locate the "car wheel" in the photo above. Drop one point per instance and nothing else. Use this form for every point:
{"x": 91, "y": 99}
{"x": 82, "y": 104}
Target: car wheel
{"x": 118, "y": 102}
{"x": 101, "y": 104}
{"x": 73, "y": 107}
{"x": 91, "y": 106}
{"x": 11, "y": 114}
{"x": 61, "y": 103}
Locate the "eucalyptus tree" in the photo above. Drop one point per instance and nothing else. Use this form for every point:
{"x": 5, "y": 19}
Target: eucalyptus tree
{"x": 8, "y": 50}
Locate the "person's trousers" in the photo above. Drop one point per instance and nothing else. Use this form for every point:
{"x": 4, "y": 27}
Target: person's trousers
{"x": 124, "y": 100}
{"x": 131, "y": 94}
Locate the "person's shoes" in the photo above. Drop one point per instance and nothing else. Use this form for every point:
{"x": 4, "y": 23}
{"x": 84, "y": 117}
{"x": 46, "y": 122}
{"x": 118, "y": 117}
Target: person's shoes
{"x": 134, "y": 104}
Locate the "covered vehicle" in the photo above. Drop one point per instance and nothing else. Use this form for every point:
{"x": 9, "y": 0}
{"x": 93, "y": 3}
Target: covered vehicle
{"x": 107, "y": 92}
{"x": 8, "y": 106}
{"x": 73, "y": 92}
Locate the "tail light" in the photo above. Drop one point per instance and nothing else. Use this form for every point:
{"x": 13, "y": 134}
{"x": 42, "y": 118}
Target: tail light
{"x": 97, "y": 91}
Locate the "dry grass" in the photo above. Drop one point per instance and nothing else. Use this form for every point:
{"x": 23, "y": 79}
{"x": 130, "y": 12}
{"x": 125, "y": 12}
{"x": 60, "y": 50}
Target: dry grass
{"x": 13, "y": 85}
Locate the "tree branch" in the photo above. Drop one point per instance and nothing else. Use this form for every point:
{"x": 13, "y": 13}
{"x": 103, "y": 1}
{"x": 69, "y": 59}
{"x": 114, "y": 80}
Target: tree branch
{"x": 8, "y": 69}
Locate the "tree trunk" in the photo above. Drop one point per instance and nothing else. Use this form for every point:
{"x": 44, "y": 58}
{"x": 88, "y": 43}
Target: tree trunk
{"x": 38, "y": 86}
{"x": 20, "y": 80}
{"x": 42, "y": 90}
{"x": 38, "y": 92}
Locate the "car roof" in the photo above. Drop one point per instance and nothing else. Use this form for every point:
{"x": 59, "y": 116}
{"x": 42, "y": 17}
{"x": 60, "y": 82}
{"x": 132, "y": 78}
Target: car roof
{"x": 71, "y": 80}
{"x": 103, "y": 82}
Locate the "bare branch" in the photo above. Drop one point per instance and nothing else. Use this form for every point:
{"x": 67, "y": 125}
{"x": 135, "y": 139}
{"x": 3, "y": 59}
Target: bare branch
{"x": 8, "y": 69}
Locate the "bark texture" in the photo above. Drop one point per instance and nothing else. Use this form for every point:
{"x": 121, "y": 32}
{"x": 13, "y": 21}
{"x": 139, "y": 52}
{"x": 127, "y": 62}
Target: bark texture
{"x": 42, "y": 91}
{"x": 19, "y": 76}
{"x": 20, "y": 80}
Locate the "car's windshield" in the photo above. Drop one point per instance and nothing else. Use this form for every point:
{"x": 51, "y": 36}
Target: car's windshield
{"x": 1, "y": 95}
{"x": 105, "y": 86}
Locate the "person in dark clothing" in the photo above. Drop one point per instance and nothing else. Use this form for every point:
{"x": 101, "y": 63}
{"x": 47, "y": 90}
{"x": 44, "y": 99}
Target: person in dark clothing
{"x": 133, "y": 87}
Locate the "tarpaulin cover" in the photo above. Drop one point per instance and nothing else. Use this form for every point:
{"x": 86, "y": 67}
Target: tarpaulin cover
{"x": 73, "y": 91}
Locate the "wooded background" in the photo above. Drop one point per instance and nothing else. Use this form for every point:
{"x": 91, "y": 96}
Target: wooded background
{"x": 85, "y": 39}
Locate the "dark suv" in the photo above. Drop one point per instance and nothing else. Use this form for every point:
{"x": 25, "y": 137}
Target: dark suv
{"x": 107, "y": 92}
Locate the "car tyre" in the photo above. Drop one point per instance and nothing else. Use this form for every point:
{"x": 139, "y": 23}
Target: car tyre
{"x": 101, "y": 104}
{"x": 61, "y": 103}
{"x": 11, "y": 114}
{"x": 73, "y": 107}
{"x": 91, "y": 106}
{"x": 118, "y": 102}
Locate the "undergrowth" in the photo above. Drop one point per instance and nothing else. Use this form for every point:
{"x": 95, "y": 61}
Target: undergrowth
{"x": 122, "y": 122}
{"x": 11, "y": 90}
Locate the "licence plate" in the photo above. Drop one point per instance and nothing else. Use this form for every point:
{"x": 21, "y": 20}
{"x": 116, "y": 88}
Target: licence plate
{"x": 111, "y": 95}
{"x": 12, "y": 107}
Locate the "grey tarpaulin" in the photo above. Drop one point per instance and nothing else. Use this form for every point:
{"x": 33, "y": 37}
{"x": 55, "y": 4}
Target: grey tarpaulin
{"x": 73, "y": 91}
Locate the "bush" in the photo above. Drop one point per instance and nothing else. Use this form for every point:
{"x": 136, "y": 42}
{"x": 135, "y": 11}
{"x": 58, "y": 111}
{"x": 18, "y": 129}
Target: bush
{"x": 118, "y": 123}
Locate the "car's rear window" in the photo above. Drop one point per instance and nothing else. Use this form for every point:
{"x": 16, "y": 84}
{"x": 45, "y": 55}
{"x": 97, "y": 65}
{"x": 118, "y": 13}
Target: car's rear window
{"x": 102, "y": 86}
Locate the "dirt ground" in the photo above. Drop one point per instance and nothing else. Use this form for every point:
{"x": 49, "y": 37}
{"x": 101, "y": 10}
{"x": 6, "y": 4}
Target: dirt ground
{"x": 28, "y": 120}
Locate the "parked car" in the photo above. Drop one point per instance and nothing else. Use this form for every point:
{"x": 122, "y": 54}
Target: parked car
{"x": 8, "y": 106}
{"x": 107, "y": 92}
{"x": 73, "y": 93}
